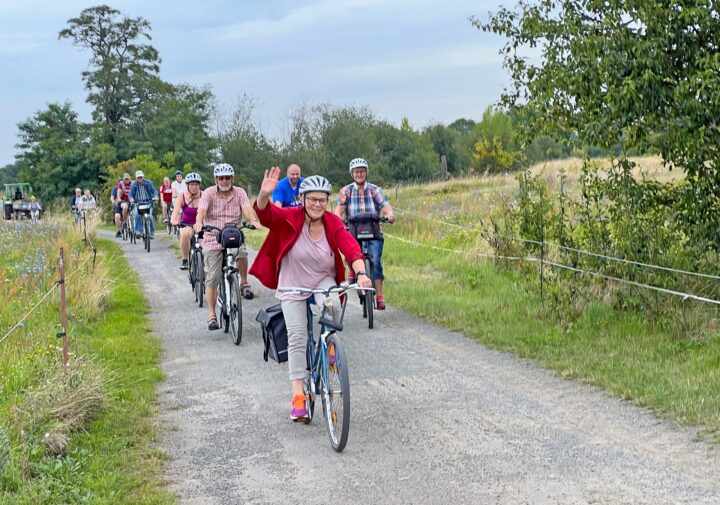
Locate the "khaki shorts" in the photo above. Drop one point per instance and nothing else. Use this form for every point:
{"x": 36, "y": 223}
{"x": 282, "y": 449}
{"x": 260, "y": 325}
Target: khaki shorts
{"x": 214, "y": 264}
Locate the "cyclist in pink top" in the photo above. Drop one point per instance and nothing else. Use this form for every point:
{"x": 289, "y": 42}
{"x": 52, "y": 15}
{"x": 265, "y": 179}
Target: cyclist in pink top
{"x": 185, "y": 212}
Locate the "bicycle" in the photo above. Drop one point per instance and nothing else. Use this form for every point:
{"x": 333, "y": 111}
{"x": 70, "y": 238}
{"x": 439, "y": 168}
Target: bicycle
{"x": 145, "y": 211}
{"x": 365, "y": 226}
{"x": 127, "y": 229}
{"x": 229, "y": 299}
{"x": 327, "y": 376}
{"x": 196, "y": 265}
{"x": 171, "y": 228}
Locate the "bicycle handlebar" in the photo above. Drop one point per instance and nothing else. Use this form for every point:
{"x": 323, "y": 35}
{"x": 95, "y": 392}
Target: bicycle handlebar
{"x": 244, "y": 224}
{"x": 342, "y": 288}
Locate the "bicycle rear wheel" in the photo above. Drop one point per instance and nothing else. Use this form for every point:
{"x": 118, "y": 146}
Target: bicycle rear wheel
{"x": 335, "y": 391}
{"x": 369, "y": 299}
{"x": 235, "y": 312}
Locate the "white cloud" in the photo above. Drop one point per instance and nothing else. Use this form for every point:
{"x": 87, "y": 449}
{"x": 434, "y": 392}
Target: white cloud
{"x": 301, "y": 17}
{"x": 15, "y": 43}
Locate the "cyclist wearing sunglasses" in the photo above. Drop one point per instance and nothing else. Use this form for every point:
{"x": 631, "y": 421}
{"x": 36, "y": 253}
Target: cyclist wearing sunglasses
{"x": 303, "y": 249}
{"x": 219, "y": 205}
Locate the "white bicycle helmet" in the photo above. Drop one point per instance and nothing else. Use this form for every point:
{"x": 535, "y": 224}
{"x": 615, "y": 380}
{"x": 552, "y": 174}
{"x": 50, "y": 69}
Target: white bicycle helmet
{"x": 223, "y": 169}
{"x": 315, "y": 183}
{"x": 193, "y": 177}
{"x": 358, "y": 163}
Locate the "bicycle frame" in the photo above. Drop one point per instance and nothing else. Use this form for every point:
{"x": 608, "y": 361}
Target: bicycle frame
{"x": 317, "y": 352}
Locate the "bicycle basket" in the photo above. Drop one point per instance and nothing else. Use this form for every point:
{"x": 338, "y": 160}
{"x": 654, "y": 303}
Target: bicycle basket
{"x": 365, "y": 226}
{"x": 143, "y": 208}
{"x": 231, "y": 237}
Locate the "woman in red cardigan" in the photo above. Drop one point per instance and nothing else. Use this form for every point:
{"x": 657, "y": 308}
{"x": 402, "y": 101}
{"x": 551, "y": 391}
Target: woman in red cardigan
{"x": 303, "y": 249}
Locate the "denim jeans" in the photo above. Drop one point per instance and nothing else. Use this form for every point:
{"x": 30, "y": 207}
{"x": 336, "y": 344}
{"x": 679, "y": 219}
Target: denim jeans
{"x": 138, "y": 220}
{"x": 376, "y": 249}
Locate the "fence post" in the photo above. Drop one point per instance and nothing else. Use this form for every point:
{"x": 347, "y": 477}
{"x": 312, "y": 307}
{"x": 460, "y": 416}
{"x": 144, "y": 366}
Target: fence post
{"x": 542, "y": 262}
{"x": 63, "y": 313}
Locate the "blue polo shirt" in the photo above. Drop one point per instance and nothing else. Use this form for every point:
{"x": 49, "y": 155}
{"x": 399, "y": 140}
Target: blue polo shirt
{"x": 286, "y": 195}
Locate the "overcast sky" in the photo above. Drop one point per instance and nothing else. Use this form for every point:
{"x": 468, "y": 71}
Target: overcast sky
{"x": 416, "y": 58}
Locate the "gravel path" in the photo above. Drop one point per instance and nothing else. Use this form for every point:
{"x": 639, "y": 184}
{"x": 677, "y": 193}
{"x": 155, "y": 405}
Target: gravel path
{"x": 436, "y": 419}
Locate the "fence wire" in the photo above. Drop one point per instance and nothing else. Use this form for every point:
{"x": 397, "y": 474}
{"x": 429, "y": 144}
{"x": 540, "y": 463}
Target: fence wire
{"x": 566, "y": 248}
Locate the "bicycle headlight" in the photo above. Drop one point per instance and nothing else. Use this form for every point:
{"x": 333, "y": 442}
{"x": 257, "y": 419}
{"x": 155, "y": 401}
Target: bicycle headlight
{"x": 328, "y": 302}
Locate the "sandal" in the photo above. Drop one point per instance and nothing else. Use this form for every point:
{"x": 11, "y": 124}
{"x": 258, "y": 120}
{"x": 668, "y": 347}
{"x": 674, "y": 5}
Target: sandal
{"x": 213, "y": 324}
{"x": 247, "y": 291}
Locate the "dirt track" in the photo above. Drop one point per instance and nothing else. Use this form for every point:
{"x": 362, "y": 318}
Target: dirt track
{"x": 436, "y": 419}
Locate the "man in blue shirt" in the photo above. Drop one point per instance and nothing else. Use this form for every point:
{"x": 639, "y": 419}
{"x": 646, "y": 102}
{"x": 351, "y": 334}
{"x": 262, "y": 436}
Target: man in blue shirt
{"x": 287, "y": 192}
{"x": 142, "y": 191}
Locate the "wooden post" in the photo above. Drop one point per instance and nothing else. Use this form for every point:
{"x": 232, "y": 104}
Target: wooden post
{"x": 63, "y": 312}
{"x": 443, "y": 168}
{"x": 542, "y": 263}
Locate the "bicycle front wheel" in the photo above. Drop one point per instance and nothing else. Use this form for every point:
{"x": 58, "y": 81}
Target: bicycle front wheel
{"x": 199, "y": 278}
{"x": 146, "y": 233}
{"x": 235, "y": 310}
{"x": 369, "y": 295}
{"x": 335, "y": 392}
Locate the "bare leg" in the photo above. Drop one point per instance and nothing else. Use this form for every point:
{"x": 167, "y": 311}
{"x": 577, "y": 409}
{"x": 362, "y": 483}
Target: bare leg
{"x": 185, "y": 234}
{"x": 211, "y": 299}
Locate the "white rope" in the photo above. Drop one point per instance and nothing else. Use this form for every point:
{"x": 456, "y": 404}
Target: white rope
{"x": 43, "y": 299}
{"x": 29, "y": 312}
{"x": 685, "y": 296}
{"x": 445, "y": 249}
{"x": 579, "y": 251}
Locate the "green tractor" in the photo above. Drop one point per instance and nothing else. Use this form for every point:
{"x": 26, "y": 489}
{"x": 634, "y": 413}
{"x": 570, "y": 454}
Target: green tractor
{"x": 16, "y": 203}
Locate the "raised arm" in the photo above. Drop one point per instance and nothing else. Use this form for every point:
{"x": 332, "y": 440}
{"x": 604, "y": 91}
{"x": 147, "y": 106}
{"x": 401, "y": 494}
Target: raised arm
{"x": 269, "y": 183}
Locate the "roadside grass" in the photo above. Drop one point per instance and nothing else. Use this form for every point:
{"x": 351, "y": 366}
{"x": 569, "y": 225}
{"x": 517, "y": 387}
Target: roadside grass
{"x": 647, "y": 361}
{"x": 85, "y": 434}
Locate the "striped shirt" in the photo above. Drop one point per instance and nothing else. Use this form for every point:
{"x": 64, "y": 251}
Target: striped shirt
{"x": 219, "y": 211}
{"x": 368, "y": 199}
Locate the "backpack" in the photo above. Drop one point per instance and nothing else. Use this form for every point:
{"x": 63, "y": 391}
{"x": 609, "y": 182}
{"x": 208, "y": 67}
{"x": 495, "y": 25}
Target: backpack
{"x": 274, "y": 333}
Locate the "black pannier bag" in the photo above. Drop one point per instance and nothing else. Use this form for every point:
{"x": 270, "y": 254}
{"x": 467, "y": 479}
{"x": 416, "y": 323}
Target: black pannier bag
{"x": 231, "y": 237}
{"x": 274, "y": 333}
{"x": 365, "y": 226}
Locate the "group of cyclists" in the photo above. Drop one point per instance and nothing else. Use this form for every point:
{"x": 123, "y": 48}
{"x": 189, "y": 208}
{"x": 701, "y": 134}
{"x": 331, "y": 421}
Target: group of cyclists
{"x": 306, "y": 246}
{"x": 82, "y": 202}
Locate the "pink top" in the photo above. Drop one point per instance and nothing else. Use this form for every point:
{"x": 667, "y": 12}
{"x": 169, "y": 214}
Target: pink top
{"x": 219, "y": 211}
{"x": 188, "y": 213}
{"x": 307, "y": 263}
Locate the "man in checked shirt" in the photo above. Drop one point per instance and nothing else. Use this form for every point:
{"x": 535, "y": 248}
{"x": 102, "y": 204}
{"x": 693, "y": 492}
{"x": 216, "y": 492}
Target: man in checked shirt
{"x": 361, "y": 196}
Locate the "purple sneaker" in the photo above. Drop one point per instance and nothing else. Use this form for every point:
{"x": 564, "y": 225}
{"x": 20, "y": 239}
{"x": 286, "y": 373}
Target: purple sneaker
{"x": 299, "y": 412}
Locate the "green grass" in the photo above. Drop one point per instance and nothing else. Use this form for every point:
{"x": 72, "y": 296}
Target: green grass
{"x": 620, "y": 351}
{"x": 112, "y": 459}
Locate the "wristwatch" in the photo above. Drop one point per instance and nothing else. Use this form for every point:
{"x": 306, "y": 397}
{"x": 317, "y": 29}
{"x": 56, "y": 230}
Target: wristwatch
{"x": 358, "y": 274}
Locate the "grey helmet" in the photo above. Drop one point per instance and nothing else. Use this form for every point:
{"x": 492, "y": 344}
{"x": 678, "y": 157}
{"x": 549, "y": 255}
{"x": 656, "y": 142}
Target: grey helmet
{"x": 315, "y": 183}
{"x": 223, "y": 169}
{"x": 358, "y": 163}
{"x": 193, "y": 177}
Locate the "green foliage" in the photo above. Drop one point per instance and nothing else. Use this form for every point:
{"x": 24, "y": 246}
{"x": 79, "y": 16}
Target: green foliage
{"x": 642, "y": 76}
{"x": 9, "y": 174}
{"x": 52, "y": 157}
{"x": 175, "y": 120}
{"x": 454, "y": 144}
{"x": 491, "y": 157}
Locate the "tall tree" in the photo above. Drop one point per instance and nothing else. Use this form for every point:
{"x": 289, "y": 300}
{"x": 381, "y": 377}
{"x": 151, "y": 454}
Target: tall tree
{"x": 122, "y": 68}
{"x": 52, "y": 156}
{"x": 175, "y": 120}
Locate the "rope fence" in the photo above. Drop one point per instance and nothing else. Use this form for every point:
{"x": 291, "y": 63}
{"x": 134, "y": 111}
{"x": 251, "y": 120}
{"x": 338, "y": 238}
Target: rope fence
{"x": 59, "y": 283}
{"x": 543, "y": 261}
{"x": 566, "y": 248}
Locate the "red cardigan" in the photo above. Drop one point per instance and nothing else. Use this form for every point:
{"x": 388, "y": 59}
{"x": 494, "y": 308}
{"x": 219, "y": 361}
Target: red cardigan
{"x": 285, "y": 225}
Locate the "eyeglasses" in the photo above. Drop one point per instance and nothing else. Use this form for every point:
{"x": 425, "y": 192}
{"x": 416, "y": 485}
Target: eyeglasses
{"x": 224, "y": 177}
{"x": 316, "y": 201}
